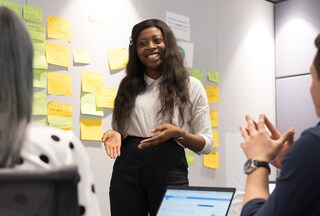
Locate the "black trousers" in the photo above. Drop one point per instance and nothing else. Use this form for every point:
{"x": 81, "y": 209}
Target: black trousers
{"x": 140, "y": 176}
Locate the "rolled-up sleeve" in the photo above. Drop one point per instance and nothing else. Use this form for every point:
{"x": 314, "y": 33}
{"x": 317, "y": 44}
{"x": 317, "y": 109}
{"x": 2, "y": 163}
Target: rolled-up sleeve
{"x": 200, "y": 114}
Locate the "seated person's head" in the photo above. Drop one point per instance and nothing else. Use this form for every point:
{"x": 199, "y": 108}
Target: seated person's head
{"x": 16, "y": 90}
{"x": 315, "y": 73}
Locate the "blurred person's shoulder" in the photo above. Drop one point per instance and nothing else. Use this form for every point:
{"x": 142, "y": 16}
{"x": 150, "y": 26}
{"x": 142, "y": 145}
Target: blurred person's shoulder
{"x": 45, "y": 131}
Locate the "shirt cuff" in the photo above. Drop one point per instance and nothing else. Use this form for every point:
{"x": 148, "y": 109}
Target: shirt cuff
{"x": 207, "y": 146}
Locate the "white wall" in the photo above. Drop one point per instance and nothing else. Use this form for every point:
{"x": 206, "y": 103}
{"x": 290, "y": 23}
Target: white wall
{"x": 297, "y": 25}
{"x": 245, "y": 59}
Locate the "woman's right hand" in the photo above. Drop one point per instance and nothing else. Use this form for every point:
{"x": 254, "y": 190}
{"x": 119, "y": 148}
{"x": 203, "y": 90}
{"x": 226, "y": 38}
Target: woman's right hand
{"x": 112, "y": 143}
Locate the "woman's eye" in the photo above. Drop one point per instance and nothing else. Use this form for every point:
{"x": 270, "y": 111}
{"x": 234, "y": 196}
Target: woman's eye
{"x": 141, "y": 44}
{"x": 157, "y": 41}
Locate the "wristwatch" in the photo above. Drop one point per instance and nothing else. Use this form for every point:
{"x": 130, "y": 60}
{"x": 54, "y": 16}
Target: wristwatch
{"x": 252, "y": 164}
{"x": 181, "y": 138}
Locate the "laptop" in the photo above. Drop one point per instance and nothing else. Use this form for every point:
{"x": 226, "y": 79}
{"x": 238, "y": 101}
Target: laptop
{"x": 196, "y": 201}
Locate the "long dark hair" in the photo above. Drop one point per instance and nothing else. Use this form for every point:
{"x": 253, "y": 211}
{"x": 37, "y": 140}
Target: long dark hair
{"x": 173, "y": 87}
{"x": 16, "y": 91}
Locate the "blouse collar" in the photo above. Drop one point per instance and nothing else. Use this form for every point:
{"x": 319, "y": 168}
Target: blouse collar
{"x": 150, "y": 81}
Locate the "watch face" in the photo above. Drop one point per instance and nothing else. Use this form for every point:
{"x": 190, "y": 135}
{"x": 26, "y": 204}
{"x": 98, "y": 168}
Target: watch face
{"x": 249, "y": 166}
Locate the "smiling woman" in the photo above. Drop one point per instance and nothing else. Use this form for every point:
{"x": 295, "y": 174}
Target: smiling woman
{"x": 159, "y": 110}
{"x": 150, "y": 48}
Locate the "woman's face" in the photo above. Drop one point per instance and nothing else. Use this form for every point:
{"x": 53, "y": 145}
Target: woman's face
{"x": 315, "y": 89}
{"x": 150, "y": 49}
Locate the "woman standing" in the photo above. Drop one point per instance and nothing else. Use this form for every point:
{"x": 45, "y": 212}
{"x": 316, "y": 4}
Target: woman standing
{"x": 159, "y": 110}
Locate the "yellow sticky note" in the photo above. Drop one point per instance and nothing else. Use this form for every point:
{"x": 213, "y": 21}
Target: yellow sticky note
{"x": 39, "y": 78}
{"x": 118, "y": 58}
{"x": 91, "y": 81}
{"x": 57, "y": 109}
{"x": 33, "y": 14}
{"x": 213, "y": 76}
{"x": 212, "y": 93}
{"x": 90, "y": 129}
{"x": 190, "y": 158}
{"x": 197, "y": 74}
{"x": 36, "y": 31}
{"x": 39, "y": 106}
{"x": 211, "y": 160}
{"x": 58, "y": 54}
{"x": 214, "y": 118}
{"x": 81, "y": 56}
{"x": 105, "y": 98}
{"x": 59, "y": 83}
{"x": 58, "y": 28}
{"x": 88, "y": 105}
{"x": 215, "y": 138}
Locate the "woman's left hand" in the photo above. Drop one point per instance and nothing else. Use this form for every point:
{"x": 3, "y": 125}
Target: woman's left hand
{"x": 162, "y": 134}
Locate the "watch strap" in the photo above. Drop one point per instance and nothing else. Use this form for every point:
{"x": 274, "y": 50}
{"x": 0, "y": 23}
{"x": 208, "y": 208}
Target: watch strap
{"x": 263, "y": 164}
{"x": 252, "y": 164}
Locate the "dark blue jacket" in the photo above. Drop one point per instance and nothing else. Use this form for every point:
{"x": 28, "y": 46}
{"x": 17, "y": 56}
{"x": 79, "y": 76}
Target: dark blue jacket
{"x": 297, "y": 191}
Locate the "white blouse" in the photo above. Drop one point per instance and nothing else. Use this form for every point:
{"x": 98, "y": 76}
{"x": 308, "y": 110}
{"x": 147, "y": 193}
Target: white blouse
{"x": 197, "y": 114}
{"x": 46, "y": 148}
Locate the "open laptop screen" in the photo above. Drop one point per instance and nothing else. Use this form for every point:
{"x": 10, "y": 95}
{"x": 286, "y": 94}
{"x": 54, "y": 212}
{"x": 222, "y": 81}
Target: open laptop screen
{"x": 199, "y": 201}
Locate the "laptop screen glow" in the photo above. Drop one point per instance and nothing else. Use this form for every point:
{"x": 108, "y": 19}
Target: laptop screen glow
{"x": 196, "y": 201}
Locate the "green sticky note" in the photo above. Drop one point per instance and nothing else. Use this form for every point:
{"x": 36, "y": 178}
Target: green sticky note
{"x": 40, "y": 62}
{"x": 64, "y": 123}
{"x": 39, "y": 58}
{"x": 13, "y": 6}
{"x": 33, "y": 14}
{"x": 40, "y": 78}
{"x": 39, "y": 48}
{"x": 88, "y": 105}
{"x": 40, "y": 105}
{"x": 213, "y": 76}
{"x": 81, "y": 56}
{"x": 36, "y": 32}
{"x": 197, "y": 74}
{"x": 42, "y": 121}
{"x": 190, "y": 158}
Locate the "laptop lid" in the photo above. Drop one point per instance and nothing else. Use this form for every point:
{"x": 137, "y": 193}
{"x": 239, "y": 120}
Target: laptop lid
{"x": 199, "y": 201}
